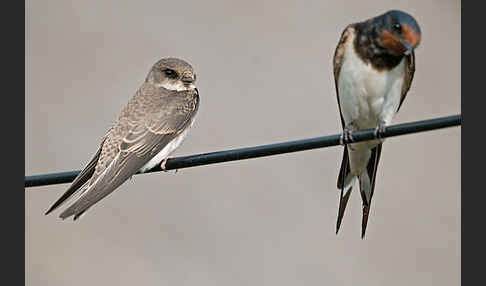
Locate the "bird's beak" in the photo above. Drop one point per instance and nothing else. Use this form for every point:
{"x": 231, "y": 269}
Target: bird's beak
{"x": 407, "y": 46}
{"x": 188, "y": 77}
{"x": 187, "y": 80}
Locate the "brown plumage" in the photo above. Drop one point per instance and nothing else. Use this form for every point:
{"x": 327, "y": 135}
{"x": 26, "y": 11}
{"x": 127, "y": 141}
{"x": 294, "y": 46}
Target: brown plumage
{"x": 161, "y": 111}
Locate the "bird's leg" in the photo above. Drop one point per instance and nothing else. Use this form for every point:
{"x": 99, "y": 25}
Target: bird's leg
{"x": 162, "y": 165}
{"x": 347, "y": 136}
{"x": 380, "y": 131}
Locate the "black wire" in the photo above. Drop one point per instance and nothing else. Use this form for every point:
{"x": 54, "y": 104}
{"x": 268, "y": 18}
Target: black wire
{"x": 266, "y": 150}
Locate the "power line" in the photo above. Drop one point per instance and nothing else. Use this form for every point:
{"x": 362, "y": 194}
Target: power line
{"x": 266, "y": 150}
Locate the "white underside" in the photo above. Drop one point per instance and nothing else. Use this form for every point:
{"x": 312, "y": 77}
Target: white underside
{"x": 367, "y": 97}
{"x": 168, "y": 149}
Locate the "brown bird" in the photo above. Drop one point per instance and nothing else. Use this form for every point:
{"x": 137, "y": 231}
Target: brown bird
{"x": 152, "y": 125}
{"x": 374, "y": 64}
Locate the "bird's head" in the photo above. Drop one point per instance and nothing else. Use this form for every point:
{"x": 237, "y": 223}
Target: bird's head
{"x": 398, "y": 32}
{"x": 172, "y": 74}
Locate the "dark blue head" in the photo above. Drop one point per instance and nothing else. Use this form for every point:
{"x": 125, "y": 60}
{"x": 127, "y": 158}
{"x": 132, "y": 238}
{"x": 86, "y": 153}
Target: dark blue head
{"x": 398, "y": 32}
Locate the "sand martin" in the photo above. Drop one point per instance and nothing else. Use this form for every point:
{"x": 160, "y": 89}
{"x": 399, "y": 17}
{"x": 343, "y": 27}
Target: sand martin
{"x": 152, "y": 125}
{"x": 374, "y": 64}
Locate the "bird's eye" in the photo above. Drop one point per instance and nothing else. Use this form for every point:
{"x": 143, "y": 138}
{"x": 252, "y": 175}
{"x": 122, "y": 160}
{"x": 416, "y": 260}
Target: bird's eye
{"x": 170, "y": 73}
{"x": 397, "y": 27}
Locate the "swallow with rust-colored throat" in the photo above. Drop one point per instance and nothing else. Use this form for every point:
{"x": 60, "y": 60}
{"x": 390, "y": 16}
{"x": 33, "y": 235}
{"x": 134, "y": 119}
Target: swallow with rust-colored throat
{"x": 374, "y": 64}
{"x": 150, "y": 127}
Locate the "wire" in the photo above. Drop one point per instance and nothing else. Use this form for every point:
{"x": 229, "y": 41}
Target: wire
{"x": 266, "y": 150}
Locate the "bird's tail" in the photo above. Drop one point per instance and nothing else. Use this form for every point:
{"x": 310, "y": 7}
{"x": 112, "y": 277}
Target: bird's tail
{"x": 367, "y": 185}
{"x": 365, "y": 190}
{"x": 345, "y": 184}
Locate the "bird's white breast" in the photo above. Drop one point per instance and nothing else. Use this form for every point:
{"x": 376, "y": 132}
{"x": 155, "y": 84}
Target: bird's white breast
{"x": 366, "y": 95}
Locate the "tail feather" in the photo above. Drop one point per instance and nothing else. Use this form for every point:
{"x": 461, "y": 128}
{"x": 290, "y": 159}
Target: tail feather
{"x": 343, "y": 201}
{"x": 111, "y": 178}
{"x": 364, "y": 222}
{"x": 345, "y": 183}
{"x": 79, "y": 182}
{"x": 79, "y": 215}
{"x": 344, "y": 171}
{"x": 367, "y": 185}
{"x": 365, "y": 190}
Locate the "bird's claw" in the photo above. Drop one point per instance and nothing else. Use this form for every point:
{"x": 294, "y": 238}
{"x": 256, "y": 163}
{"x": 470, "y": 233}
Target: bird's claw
{"x": 162, "y": 165}
{"x": 346, "y": 137}
{"x": 380, "y": 131}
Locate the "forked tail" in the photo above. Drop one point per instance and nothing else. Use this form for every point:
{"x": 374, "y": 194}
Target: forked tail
{"x": 366, "y": 185}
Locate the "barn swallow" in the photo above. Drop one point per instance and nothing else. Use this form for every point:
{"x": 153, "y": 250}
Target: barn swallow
{"x": 374, "y": 64}
{"x": 151, "y": 126}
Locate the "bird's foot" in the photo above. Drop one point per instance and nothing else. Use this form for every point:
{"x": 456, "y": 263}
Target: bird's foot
{"x": 380, "y": 131}
{"x": 346, "y": 136}
{"x": 162, "y": 165}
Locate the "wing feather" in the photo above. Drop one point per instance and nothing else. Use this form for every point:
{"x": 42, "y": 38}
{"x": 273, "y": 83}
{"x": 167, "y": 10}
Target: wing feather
{"x": 81, "y": 179}
{"x": 338, "y": 62}
{"x": 170, "y": 116}
{"x": 345, "y": 168}
{"x": 409, "y": 73}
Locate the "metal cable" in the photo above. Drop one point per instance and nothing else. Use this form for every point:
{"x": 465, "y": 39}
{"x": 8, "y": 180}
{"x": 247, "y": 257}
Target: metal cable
{"x": 266, "y": 150}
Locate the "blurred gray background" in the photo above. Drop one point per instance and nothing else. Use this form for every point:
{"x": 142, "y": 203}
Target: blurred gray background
{"x": 265, "y": 76}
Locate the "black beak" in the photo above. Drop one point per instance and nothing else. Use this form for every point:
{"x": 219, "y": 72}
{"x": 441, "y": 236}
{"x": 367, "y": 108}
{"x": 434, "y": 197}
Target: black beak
{"x": 408, "y": 47}
{"x": 187, "y": 80}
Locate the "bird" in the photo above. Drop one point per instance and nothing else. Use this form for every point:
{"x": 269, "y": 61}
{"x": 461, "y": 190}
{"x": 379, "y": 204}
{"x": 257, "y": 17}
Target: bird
{"x": 149, "y": 128}
{"x": 373, "y": 65}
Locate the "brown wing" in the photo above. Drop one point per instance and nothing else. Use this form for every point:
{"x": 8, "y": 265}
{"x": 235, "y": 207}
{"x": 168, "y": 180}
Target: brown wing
{"x": 166, "y": 116}
{"x": 79, "y": 181}
{"x": 174, "y": 116}
{"x": 344, "y": 170}
{"x": 338, "y": 61}
{"x": 409, "y": 72}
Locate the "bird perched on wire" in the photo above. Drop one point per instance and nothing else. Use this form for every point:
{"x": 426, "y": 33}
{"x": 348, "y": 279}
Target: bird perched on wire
{"x": 151, "y": 126}
{"x": 374, "y": 64}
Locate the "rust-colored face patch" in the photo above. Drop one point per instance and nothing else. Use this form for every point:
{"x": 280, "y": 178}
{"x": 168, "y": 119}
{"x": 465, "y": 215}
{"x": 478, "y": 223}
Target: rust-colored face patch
{"x": 391, "y": 43}
{"x": 410, "y": 36}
